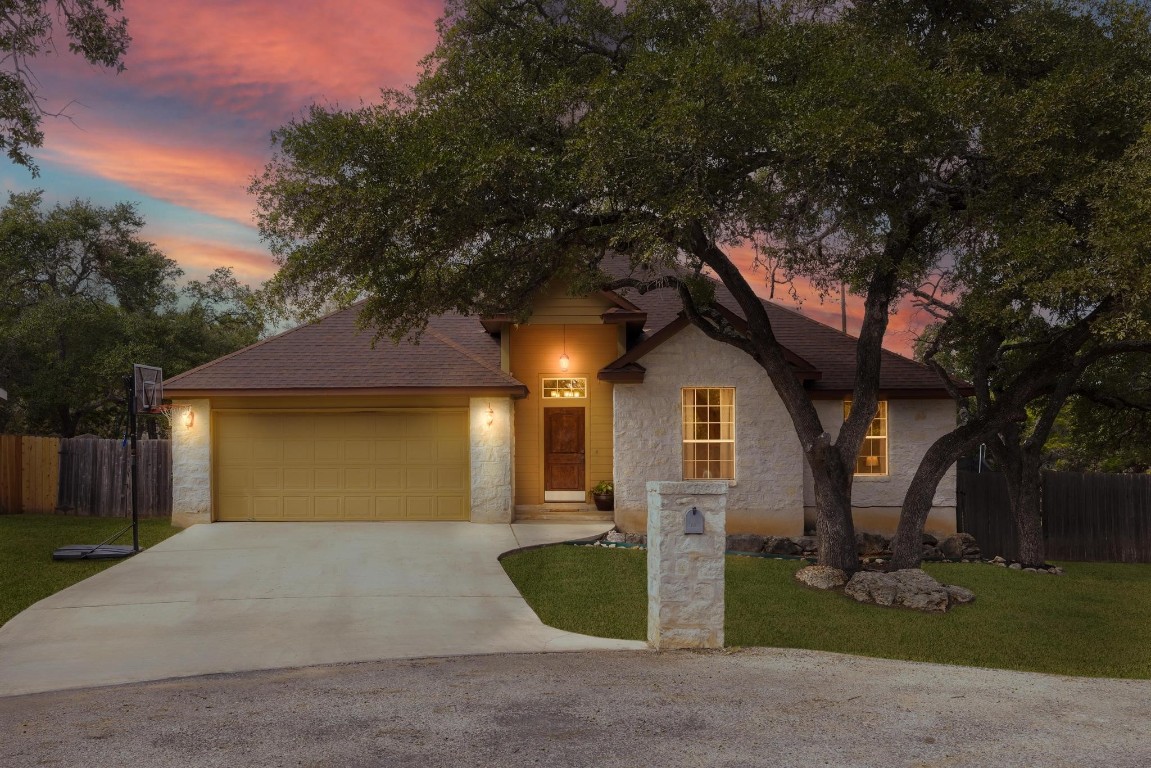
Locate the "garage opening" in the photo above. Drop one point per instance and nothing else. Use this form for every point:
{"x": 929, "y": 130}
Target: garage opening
{"x": 364, "y": 465}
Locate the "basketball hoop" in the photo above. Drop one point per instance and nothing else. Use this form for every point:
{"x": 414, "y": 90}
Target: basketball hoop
{"x": 175, "y": 413}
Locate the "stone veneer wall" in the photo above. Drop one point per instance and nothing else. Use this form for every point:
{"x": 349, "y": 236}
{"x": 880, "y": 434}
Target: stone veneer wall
{"x": 192, "y": 466}
{"x": 492, "y": 460}
{"x": 766, "y": 496}
{"x": 913, "y": 425}
{"x": 685, "y": 573}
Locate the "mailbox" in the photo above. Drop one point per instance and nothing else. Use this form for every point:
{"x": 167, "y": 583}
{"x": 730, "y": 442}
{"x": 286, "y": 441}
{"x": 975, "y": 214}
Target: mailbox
{"x": 693, "y": 521}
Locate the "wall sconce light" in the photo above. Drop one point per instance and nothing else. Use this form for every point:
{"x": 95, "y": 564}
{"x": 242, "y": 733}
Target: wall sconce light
{"x": 491, "y": 415}
{"x": 189, "y": 418}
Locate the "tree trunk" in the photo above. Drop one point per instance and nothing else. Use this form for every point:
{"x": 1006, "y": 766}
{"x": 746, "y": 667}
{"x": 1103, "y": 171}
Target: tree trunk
{"x": 1020, "y": 462}
{"x": 907, "y": 546}
{"x": 1027, "y": 510}
{"x": 834, "y": 526}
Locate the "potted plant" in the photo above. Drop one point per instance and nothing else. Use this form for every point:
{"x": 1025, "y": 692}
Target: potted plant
{"x": 604, "y": 495}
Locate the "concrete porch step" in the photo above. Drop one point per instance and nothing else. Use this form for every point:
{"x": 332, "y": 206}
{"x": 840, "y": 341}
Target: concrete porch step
{"x": 583, "y": 513}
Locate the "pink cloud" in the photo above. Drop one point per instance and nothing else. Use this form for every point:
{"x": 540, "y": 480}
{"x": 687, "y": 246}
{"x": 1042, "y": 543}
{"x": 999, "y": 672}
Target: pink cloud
{"x": 231, "y": 56}
{"x": 199, "y": 257}
{"x": 172, "y": 167}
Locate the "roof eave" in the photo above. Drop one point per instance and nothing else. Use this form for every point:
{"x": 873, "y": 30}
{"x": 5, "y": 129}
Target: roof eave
{"x": 508, "y": 390}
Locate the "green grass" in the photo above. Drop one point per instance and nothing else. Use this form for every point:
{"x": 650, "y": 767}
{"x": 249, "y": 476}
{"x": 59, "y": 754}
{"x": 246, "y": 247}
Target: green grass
{"x": 27, "y": 571}
{"x": 1093, "y": 621}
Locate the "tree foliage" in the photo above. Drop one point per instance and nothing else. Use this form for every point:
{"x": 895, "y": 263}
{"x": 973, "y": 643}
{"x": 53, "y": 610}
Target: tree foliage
{"x": 873, "y": 143}
{"x": 82, "y": 297}
{"x": 31, "y": 28}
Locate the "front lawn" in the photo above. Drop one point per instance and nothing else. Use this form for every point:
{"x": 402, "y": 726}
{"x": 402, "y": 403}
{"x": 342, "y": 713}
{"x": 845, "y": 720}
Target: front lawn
{"x": 27, "y": 571}
{"x": 1095, "y": 620}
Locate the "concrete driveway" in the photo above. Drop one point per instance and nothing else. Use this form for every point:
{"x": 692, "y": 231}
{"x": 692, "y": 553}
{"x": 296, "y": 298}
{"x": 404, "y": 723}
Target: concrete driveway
{"x": 231, "y": 597}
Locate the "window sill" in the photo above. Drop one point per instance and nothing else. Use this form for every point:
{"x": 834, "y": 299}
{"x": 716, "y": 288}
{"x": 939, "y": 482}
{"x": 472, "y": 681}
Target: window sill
{"x": 873, "y": 478}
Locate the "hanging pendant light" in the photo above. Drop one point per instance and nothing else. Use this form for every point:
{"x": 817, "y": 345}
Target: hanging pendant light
{"x": 564, "y": 360}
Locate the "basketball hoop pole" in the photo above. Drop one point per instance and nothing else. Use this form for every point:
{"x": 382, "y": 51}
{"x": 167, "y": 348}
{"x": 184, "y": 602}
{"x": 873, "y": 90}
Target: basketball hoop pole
{"x": 132, "y": 459}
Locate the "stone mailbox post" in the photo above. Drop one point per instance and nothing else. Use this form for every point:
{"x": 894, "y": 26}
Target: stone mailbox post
{"x": 685, "y": 569}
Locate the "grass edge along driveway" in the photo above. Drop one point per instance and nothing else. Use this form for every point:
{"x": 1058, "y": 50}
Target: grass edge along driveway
{"x": 1093, "y": 621}
{"x": 28, "y": 573}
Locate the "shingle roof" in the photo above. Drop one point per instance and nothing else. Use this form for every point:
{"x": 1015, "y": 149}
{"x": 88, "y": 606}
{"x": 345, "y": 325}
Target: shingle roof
{"x": 332, "y": 353}
{"x": 456, "y": 353}
{"x": 829, "y": 351}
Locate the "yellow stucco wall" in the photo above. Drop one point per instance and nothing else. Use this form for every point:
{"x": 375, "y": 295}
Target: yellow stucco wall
{"x": 535, "y": 349}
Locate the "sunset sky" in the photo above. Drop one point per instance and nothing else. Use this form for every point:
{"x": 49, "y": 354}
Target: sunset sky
{"x": 184, "y": 128}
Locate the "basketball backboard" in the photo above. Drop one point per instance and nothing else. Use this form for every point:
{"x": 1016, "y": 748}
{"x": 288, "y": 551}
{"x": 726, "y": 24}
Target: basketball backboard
{"x": 148, "y": 385}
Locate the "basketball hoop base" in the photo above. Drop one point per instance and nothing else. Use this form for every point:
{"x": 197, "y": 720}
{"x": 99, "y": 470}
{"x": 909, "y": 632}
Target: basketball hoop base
{"x": 93, "y": 552}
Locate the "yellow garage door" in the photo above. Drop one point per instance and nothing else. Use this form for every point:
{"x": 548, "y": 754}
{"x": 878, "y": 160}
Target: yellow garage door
{"x": 375, "y": 465}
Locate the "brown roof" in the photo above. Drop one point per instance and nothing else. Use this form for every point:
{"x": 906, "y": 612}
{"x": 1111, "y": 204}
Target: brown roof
{"x": 332, "y": 353}
{"x": 456, "y": 353}
{"x": 828, "y": 351}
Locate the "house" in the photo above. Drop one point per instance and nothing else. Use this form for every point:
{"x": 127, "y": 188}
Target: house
{"x": 489, "y": 420}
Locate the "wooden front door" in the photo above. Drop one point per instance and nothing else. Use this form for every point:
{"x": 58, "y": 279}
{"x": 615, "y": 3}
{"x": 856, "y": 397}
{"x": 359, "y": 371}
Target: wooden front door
{"x": 564, "y": 452}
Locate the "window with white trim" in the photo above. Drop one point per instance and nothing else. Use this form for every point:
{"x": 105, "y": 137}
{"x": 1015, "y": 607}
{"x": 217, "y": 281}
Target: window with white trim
{"x": 709, "y": 433}
{"x": 565, "y": 387}
{"x": 872, "y": 459}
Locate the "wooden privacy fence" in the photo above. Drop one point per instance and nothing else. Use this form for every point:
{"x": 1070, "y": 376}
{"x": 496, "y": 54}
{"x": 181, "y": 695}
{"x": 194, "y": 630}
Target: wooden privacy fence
{"x": 29, "y": 473}
{"x": 95, "y": 478}
{"x": 1086, "y": 516}
{"x": 82, "y": 476}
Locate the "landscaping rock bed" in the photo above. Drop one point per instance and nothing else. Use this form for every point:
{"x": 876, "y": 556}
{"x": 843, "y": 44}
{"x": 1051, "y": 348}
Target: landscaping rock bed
{"x": 874, "y": 549}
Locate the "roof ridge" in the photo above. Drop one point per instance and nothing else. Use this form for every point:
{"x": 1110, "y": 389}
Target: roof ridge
{"x": 260, "y": 343}
{"x": 433, "y": 332}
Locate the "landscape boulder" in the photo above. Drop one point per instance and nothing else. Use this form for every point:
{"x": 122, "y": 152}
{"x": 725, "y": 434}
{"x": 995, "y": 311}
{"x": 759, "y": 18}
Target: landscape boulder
{"x": 959, "y": 546}
{"x": 808, "y": 544}
{"x": 821, "y": 577}
{"x": 780, "y": 545}
{"x": 907, "y": 588}
{"x": 872, "y": 544}
{"x": 745, "y": 542}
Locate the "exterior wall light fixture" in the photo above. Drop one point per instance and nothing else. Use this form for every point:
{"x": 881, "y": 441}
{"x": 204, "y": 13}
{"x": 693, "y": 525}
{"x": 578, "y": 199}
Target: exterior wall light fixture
{"x": 565, "y": 361}
{"x": 491, "y": 415}
{"x": 189, "y": 418}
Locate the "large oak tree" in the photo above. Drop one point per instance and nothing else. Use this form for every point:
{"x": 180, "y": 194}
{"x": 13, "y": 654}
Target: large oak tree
{"x": 847, "y": 140}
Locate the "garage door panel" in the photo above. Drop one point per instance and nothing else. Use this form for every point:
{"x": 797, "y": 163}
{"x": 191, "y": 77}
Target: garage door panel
{"x": 234, "y": 479}
{"x": 297, "y": 450}
{"x": 388, "y": 451}
{"x": 327, "y": 479}
{"x": 383, "y": 465}
{"x": 298, "y": 508}
{"x": 421, "y": 508}
{"x": 267, "y": 479}
{"x": 448, "y": 507}
{"x": 357, "y": 451}
{"x": 328, "y": 451}
{"x": 357, "y": 507}
{"x": 419, "y": 450}
{"x": 388, "y": 508}
{"x": 299, "y": 479}
{"x": 268, "y": 449}
{"x": 328, "y": 507}
{"x": 389, "y": 479}
{"x": 268, "y": 507}
{"x": 235, "y": 507}
{"x": 419, "y": 478}
{"x": 358, "y": 479}
{"x": 234, "y": 450}
{"x": 450, "y": 479}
